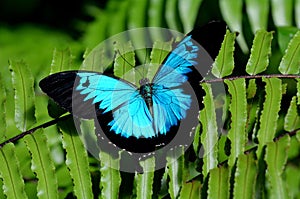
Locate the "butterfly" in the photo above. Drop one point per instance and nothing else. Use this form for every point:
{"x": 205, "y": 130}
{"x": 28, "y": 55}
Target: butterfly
{"x": 145, "y": 117}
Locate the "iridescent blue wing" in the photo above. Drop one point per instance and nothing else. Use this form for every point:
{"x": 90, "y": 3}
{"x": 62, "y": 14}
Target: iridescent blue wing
{"x": 184, "y": 66}
{"x": 88, "y": 94}
{"x": 170, "y": 100}
{"x": 178, "y": 64}
{"x": 169, "y": 107}
{"x": 193, "y": 56}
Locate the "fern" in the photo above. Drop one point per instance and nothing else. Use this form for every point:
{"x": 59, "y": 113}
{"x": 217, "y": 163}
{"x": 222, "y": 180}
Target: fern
{"x": 261, "y": 118}
{"x": 13, "y": 183}
{"x": 218, "y": 176}
{"x": 209, "y": 135}
{"x": 237, "y": 107}
{"x": 218, "y": 184}
{"x": 276, "y": 158}
{"x": 110, "y": 176}
{"x": 42, "y": 165}
{"x": 245, "y": 176}
{"x": 2, "y": 110}
{"x": 144, "y": 182}
{"x": 175, "y": 171}
{"x": 24, "y": 95}
{"x": 76, "y": 160}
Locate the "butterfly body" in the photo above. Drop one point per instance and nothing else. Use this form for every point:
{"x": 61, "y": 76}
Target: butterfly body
{"x": 146, "y": 92}
{"x": 138, "y": 119}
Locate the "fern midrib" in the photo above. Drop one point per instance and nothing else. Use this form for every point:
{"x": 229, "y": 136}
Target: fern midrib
{"x": 277, "y": 170}
{"x": 25, "y": 104}
{"x": 207, "y": 141}
{"x": 259, "y": 52}
{"x": 246, "y": 178}
{"x": 237, "y": 143}
{"x": 223, "y": 57}
{"x": 268, "y": 110}
{"x": 9, "y": 173}
{"x": 161, "y": 53}
{"x": 292, "y": 57}
{"x": 93, "y": 62}
{"x": 296, "y": 121}
{"x": 42, "y": 165}
{"x": 123, "y": 62}
{"x": 174, "y": 178}
{"x": 144, "y": 183}
{"x": 190, "y": 193}
{"x": 220, "y": 184}
{"x": 77, "y": 164}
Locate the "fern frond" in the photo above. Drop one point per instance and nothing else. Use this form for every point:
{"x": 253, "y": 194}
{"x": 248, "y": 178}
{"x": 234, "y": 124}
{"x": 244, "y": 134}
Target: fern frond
{"x": 110, "y": 176}
{"x": 76, "y": 160}
{"x": 24, "y": 95}
{"x": 42, "y": 165}
{"x": 13, "y": 183}
{"x": 238, "y": 109}
{"x": 276, "y": 157}
{"x": 209, "y": 136}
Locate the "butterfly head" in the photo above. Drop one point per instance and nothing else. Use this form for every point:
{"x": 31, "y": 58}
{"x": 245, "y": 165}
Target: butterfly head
{"x": 144, "y": 81}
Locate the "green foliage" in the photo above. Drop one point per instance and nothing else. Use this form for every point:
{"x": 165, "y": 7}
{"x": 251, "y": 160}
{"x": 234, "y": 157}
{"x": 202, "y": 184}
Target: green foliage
{"x": 159, "y": 52}
{"x": 110, "y": 176}
{"x": 218, "y": 183}
{"x": 250, "y": 151}
{"x": 258, "y": 11}
{"x": 175, "y": 171}
{"x": 290, "y": 61}
{"x": 124, "y": 62}
{"x": 144, "y": 181}
{"x": 291, "y": 120}
{"x": 258, "y": 63}
{"x": 245, "y": 176}
{"x": 224, "y": 63}
{"x": 76, "y": 160}
{"x": 232, "y": 12}
{"x": 190, "y": 190}
{"x": 276, "y": 158}
{"x": 238, "y": 110}
{"x": 42, "y": 165}
{"x": 269, "y": 116}
{"x": 24, "y": 95}
{"x": 2, "y": 110}
{"x": 209, "y": 135}
{"x": 13, "y": 183}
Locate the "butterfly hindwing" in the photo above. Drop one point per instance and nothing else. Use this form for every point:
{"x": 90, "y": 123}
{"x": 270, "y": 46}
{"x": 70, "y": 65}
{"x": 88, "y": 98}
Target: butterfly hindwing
{"x": 169, "y": 107}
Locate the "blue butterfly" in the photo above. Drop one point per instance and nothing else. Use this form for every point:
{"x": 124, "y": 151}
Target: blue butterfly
{"x": 136, "y": 118}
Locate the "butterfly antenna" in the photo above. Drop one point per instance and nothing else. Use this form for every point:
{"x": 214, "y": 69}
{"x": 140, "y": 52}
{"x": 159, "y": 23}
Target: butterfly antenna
{"x": 145, "y": 60}
{"x": 118, "y": 52}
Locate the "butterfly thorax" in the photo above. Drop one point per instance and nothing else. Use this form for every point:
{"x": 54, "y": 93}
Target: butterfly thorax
{"x": 146, "y": 91}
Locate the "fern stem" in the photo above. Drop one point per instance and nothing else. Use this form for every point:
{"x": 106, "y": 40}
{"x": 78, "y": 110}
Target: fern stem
{"x": 250, "y": 77}
{"x": 30, "y": 131}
